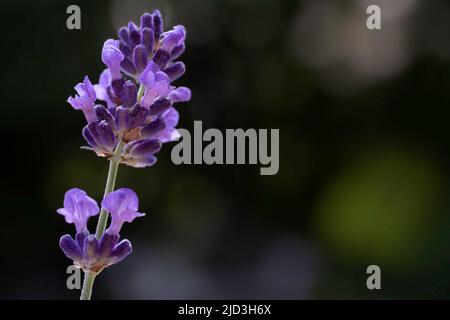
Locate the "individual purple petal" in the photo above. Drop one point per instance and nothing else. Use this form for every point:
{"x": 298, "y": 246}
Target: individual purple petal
{"x": 153, "y": 128}
{"x": 111, "y": 95}
{"x": 161, "y": 58}
{"x": 90, "y": 250}
{"x": 175, "y": 71}
{"x": 173, "y": 38}
{"x": 140, "y": 57}
{"x": 169, "y": 134}
{"x": 85, "y": 99}
{"x": 144, "y": 147}
{"x": 86, "y": 88}
{"x": 112, "y": 57}
{"x": 171, "y": 117}
{"x": 124, "y": 34}
{"x": 128, "y": 66}
{"x": 123, "y": 119}
{"x": 80, "y": 236}
{"x": 125, "y": 49}
{"x": 122, "y": 204}
{"x": 128, "y": 95}
{"x": 159, "y": 106}
{"x": 116, "y": 86}
{"x": 103, "y": 114}
{"x": 134, "y": 34}
{"x": 89, "y": 137}
{"x": 99, "y": 135}
{"x": 132, "y": 26}
{"x": 177, "y": 51}
{"x": 70, "y": 248}
{"x": 180, "y": 94}
{"x": 157, "y": 85}
{"x": 101, "y": 89}
{"x": 138, "y": 115}
{"x": 140, "y": 162}
{"x": 106, "y": 245}
{"x": 121, "y": 250}
{"x": 106, "y": 137}
{"x": 151, "y": 67}
{"x": 78, "y": 207}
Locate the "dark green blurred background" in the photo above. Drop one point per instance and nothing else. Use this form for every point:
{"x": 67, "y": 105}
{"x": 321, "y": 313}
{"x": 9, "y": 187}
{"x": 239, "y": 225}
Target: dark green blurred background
{"x": 364, "y": 151}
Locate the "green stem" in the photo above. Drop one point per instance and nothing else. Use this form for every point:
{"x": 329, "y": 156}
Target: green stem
{"x": 114, "y": 162}
{"x": 110, "y": 183}
{"x": 88, "y": 282}
{"x": 140, "y": 93}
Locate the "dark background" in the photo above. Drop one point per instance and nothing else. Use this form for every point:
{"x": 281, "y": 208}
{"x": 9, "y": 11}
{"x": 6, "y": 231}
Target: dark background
{"x": 364, "y": 161}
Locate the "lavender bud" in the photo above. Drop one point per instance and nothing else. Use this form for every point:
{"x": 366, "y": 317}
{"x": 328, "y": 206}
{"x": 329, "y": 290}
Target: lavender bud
{"x": 135, "y": 38}
{"x": 90, "y": 249}
{"x": 116, "y": 86}
{"x": 134, "y": 34}
{"x": 122, "y": 118}
{"x": 89, "y": 137}
{"x": 70, "y": 248}
{"x": 140, "y": 57}
{"x": 124, "y": 34}
{"x": 159, "y": 106}
{"x": 153, "y": 128}
{"x": 175, "y": 71}
{"x": 80, "y": 236}
{"x": 103, "y": 114}
{"x": 128, "y": 95}
{"x": 133, "y": 27}
{"x": 121, "y": 250}
{"x": 145, "y": 147}
{"x": 177, "y": 51}
{"x": 125, "y": 48}
{"x": 106, "y": 245}
{"x": 146, "y": 21}
{"x": 161, "y": 58}
{"x": 138, "y": 115}
{"x": 158, "y": 23}
{"x": 106, "y": 137}
{"x": 148, "y": 39}
{"x": 128, "y": 66}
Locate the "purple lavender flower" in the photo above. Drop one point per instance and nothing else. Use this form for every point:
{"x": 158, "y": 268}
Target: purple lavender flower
{"x": 156, "y": 83}
{"x": 112, "y": 57}
{"x": 85, "y": 250}
{"x": 100, "y": 136}
{"x": 130, "y": 113}
{"x": 173, "y": 41}
{"x": 85, "y": 99}
{"x": 78, "y": 207}
{"x": 169, "y": 133}
{"x": 137, "y": 91}
{"x": 122, "y": 204}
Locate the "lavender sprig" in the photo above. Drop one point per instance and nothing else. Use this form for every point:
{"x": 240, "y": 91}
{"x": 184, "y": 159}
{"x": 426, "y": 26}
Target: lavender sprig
{"x": 129, "y": 116}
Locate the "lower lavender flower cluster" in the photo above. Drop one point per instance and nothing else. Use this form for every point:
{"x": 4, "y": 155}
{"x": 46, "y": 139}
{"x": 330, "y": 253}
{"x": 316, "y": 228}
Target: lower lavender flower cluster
{"x": 86, "y": 251}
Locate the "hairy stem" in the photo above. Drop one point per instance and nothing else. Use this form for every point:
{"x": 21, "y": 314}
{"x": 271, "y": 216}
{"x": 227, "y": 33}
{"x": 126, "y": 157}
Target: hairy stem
{"x": 110, "y": 183}
{"x": 88, "y": 282}
{"x": 114, "y": 162}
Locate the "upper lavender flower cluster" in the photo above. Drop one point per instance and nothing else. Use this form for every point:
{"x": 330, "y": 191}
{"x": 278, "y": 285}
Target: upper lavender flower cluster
{"x": 137, "y": 113}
